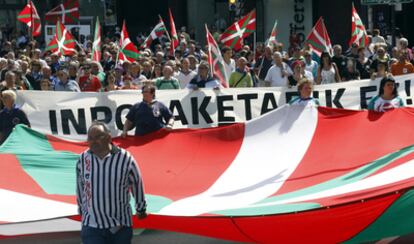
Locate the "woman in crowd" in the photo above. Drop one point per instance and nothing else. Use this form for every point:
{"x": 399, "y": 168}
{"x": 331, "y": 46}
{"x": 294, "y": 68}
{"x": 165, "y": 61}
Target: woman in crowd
{"x": 327, "y": 71}
{"x": 297, "y": 75}
{"x": 387, "y": 97}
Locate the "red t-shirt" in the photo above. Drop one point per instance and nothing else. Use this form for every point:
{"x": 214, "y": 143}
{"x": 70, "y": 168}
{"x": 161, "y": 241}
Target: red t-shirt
{"x": 89, "y": 84}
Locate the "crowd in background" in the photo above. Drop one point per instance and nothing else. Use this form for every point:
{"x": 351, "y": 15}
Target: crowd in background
{"x": 24, "y": 66}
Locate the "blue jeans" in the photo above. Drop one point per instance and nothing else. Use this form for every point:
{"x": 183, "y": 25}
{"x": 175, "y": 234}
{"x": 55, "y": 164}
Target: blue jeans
{"x": 92, "y": 235}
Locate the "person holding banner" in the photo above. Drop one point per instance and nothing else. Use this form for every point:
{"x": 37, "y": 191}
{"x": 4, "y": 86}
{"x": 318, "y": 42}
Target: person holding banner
{"x": 149, "y": 115}
{"x": 11, "y": 115}
{"x": 305, "y": 89}
{"x": 387, "y": 98}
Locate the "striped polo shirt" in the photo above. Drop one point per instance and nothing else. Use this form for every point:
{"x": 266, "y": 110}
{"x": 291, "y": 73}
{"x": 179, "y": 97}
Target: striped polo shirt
{"x": 104, "y": 187}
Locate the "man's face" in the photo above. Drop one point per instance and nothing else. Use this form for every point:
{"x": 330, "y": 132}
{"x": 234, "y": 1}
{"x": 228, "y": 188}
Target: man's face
{"x": 98, "y": 140}
{"x": 228, "y": 54}
{"x": 203, "y": 71}
{"x": 147, "y": 94}
{"x": 337, "y": 51}
{"x": 94, "y": 69}
{"x": 10, "y": 79}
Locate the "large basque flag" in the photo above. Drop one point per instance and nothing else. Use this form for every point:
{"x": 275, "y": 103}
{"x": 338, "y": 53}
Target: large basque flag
{"x": 295, "y": 174}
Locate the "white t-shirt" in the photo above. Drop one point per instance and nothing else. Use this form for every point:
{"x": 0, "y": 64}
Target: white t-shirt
{"x": 184, "y": 79}
{"x": 229, "y": 68}
{"x": 378, "y": 104}
{"x": 274, "y": 75}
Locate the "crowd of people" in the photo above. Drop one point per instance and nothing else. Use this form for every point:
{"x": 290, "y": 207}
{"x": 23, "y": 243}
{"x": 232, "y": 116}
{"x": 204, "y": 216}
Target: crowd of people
{"x": 24, "y": 66}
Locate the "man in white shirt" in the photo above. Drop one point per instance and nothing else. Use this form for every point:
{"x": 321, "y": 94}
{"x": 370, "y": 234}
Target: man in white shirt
{"x": 185, "y": 75}
{"x": 278, "y": 73}
{"x": 229, "y": 63}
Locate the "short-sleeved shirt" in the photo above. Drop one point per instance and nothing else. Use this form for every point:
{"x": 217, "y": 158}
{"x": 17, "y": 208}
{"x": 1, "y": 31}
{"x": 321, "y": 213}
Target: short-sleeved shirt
{"x": 89, "y": 84}
{"x": 162, "y": 84}
{"x": 304, "y": 101}
{"x": 378, "y": 104}
{"x": 402, "y": 68}
{"x": 240, "y": 79}
{"x": 9, "y": 119}
{"x": 70, "y": 85}
{"x": 274, "y": 75}
{"x": 148, "y": 117}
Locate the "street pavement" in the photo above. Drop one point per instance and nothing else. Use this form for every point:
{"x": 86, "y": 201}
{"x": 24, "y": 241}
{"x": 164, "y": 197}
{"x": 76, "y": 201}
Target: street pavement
{"x": 148, "y": 236}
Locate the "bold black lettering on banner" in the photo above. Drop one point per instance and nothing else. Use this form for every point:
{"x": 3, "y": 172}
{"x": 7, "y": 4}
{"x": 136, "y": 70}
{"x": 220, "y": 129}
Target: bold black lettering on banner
{"x": 315, "y": 94}
{"x": 176, "y": 105}
{"x": 363, "y": 95}
{"x": 202, "y": 109}
{"x": 118, "y": 113}
{"x": 268, "y": 97}
{"x": 408, "y": 92}
{"x": 338, "y": 95}
{"x": 247, "y": 103}
{"x": 79, "y": 125}
{"x": 101, "y": 109}
{"x": 221, "y": 109}
{"x": 290, "y": 95}
{"x": 53, "y": 121}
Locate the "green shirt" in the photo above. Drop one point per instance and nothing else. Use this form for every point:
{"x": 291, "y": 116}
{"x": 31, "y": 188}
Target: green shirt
{"x": 163, "y": 84}
{"x": 236, "y": 77}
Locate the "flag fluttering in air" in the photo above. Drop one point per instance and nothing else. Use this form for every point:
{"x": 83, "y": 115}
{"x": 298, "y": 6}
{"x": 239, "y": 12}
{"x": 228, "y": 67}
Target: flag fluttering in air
{"x": 215, "y": 60}
{"x": 63, "y": 42}
{"x": 318, "y": 39}
{"x": 233, "y": 36}
{"x": 272, "y": 39}
{"x": 157, "y": 32}
{"x": 96, "y": 46}
{"x": 128, "y": 51}
{"x": 174, "y": 36}
{"x": 359, "y": 33}
{"x": 31, "y": 18}
{"x": 67, "y": 13}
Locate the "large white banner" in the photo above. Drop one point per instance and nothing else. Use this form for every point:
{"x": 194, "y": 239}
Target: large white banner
{"x": 68, "y": 114}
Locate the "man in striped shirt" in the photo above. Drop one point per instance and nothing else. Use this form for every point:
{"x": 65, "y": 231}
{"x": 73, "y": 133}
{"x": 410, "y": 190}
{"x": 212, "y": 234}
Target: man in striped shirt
{"x": 106, "y": 174}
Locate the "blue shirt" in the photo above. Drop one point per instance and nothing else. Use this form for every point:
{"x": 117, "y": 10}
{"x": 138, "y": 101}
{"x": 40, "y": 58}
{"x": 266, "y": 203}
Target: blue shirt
{"x": 9, "y": 119}
{"x": 148, "y": 117}
{"x": 70, "y": 85}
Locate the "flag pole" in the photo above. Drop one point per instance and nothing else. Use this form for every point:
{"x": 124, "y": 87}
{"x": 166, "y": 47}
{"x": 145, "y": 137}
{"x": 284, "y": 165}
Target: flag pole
{"x": 31, "y": 20}
{"x": 168, "y": 35}
{"x": 254, "y": 46}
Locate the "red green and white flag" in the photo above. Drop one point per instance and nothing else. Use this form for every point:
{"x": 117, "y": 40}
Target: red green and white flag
{"x": 68, "y": 13}
{"x": 31, "y": 18}
{"x": 234, "y": 35}
{"x": 297, "y": 173}
{"x": 272, "y": 39}
{"x": 359, "y": 33}
{"x": 174, "y": 36}
{"x": 96, "y": 45}
{"x": 128, "y": 51}
{"x": 63, "y": 43}
{"x": 318, "y": 39}
{"x": 215, "y": 60}
{"x": 157, "y": 32}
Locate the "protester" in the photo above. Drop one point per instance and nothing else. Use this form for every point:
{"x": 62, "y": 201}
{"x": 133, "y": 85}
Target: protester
{"x": 185, "y": 75}
{"x": 229, "y": 63}
{"x": 339, "y": 59}
{"x": 351, "y": 73}
{"x": 327, "y": 70}
{"x": 363, "y": 64}
{"x": 64, "y": 83}
{"x": 167, "y": 81}
{"x": 99, "y": 188}
{"x": 241, "y": 77}
{"x": 10, "y": 115}
{"x": 89, "y": 82}
{"x": 297, "y": 75}
{"x": 203, "y": 79}
{"x": 305, "y": 88}
{"x": 387, "y": 97}
{"x": 310, "y": 64}
{"x": 403, "y": 66}
{"x": 149, "y": 115}
{"x": 278, "y": 73}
